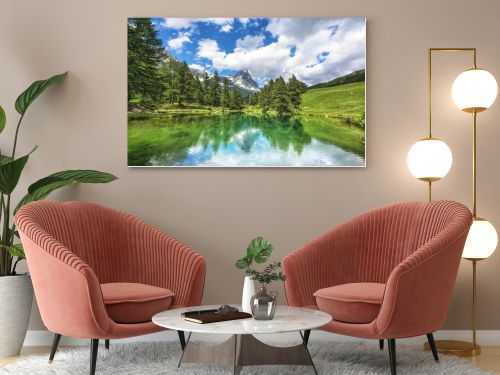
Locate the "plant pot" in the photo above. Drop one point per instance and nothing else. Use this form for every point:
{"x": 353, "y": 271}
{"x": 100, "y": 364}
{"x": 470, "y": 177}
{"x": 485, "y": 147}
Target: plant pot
{"x": 16, "y": 298}
{"x": 248, "y": 292}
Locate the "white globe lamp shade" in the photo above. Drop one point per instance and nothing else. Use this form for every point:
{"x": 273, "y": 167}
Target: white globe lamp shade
{"x": 474, "y": 90}
{"x": 481, "y": 241}
{"x": 429, "y": 159}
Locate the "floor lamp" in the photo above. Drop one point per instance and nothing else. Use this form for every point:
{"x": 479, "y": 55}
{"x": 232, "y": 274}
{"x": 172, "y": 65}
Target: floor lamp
{"x": 473, "y": 91}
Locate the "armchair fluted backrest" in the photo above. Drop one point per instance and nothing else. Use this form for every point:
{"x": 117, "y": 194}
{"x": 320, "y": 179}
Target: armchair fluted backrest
{"x": 83, "y": 245}
{"x": 371, "y": 245}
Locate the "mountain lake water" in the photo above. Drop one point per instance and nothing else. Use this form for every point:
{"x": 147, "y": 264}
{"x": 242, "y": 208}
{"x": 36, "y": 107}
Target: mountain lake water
{"x": 240, "y": 140}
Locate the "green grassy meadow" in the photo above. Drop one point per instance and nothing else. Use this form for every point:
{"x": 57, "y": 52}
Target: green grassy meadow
{"x": 339, "y": 101}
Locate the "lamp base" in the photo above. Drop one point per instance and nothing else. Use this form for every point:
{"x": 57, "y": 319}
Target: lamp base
{"x": 456, "y": 348}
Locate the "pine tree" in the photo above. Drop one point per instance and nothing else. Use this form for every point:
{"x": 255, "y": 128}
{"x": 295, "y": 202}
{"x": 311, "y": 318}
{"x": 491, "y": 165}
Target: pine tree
{"x": 281, "y": 100}
{"x": 199, "y": 92}
{"x": 185, "y": 92}
{"x": 225, "y": 98}
{"x": 253, "y": 99}
{"x": 206, "y": 90}
{"x": 215, "y": 89}
{"x": 169, "y": 75}
{"x": 166, "y": 81}
{"x": 237, "y": 102}
{"x": 295, "y": 91}
{"x": 266, "y": 96}
{"x": 145, "y": 53}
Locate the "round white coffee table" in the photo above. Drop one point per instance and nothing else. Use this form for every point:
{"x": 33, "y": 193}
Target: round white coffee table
{"x": 242, "y": 348}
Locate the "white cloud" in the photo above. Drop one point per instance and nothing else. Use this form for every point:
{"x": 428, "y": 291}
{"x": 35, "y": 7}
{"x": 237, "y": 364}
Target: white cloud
{"x": 217, "y": 21}
{"x": 197, "y": 67}
{"x": 299, "y": 29}
{"x": 343, "y": 52}
{"x": 226, "y": 28}
{"x": 250, "y": 42}
{"x": 177, "y": 43}
{"x": 177, "y": 23}
{"x": 209, "y": 49}
{"x": 189, "y": 23}
{"x": 323, "y": 50}
{"x": 244, "y": 21}
{"x": 266, "y": 61}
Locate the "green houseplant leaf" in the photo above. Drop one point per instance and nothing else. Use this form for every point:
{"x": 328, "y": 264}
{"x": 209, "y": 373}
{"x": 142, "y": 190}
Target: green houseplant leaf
{"x": 3, "y": 119}
{"x": 10, "y": 172}
{"x": 29, "y": 95}
{"x": 15, "y": 250}
{"x": 43, "y": 187}
{"x": 242, "y": 263}
{"x": 270, "y": 273}
{"x": 74, "y": 175}
{"x": 259, "y": 250}
{"x": 4, "y": 159}
{"x": 41, "y": 193}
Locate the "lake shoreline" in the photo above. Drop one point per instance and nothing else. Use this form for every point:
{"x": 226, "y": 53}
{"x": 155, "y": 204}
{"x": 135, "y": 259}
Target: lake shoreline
{"x": 159, "y": 114}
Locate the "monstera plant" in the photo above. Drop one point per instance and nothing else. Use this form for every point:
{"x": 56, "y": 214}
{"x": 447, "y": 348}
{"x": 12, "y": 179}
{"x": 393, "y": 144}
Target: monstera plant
{"x": 16, "y": 292}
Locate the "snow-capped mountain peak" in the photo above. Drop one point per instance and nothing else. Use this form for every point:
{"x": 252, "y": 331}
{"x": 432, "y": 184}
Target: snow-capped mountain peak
{"x": 243, "y": 79}
{"x": 200, "y": 74}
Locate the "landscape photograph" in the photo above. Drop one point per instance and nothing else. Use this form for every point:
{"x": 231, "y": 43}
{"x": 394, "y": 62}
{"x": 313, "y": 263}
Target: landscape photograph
{"x": 246, "y": 92}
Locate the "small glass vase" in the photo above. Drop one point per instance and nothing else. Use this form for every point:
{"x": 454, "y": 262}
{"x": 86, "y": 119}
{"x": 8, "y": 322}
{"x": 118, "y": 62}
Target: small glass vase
{"x": 263, "y": 304}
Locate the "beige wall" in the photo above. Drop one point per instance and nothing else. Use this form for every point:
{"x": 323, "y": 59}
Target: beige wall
{"x": 82, "y": 124}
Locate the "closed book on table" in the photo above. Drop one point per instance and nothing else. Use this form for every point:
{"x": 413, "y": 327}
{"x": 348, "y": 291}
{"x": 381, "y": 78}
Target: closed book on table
{"x": 212, "y": 317}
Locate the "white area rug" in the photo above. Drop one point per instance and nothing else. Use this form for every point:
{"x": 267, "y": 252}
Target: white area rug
{"x": 161, "y": 358}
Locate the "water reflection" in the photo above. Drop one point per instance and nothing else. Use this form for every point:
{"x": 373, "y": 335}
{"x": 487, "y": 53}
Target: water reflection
{"x": 244, "y": 141}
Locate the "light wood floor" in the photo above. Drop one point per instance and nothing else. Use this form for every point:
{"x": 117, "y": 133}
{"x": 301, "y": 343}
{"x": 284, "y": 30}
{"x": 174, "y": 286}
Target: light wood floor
{"x": 488, "y": 360}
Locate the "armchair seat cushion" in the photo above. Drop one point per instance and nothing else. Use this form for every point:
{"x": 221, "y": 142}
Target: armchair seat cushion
{"x": 351, "y": 303}
{"x": 135, "y": 303}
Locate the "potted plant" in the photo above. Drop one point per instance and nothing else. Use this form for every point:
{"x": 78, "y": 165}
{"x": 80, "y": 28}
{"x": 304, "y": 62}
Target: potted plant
{"x": 258, "y": 251}
{"x": 16, "y": 291}
{"x": 263, "y": 304}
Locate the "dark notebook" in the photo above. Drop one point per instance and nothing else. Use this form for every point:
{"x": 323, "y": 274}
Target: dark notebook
{"x": 211, "y": 316}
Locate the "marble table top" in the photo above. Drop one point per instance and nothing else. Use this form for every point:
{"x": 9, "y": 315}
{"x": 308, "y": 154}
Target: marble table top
{"x": 286, "y": 319}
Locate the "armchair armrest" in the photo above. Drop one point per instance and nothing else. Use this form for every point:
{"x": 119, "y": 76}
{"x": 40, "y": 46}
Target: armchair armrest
{"x": 67, "y": 290}
{"x": 419, "y": 289}
{"x": 165, "y": 262}
{"x": 321, "y": 263}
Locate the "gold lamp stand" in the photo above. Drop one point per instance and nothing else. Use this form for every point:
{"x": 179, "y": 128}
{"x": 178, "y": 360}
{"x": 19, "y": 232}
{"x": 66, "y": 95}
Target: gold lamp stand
{"x": 455, "y": 347}
{"x": 462, "y": 348}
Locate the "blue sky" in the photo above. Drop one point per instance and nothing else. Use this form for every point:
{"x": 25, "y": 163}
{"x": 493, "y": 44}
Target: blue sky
{"x": 314, "y": 49}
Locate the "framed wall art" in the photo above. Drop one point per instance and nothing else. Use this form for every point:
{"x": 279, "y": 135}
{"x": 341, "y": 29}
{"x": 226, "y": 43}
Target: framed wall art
{"x": 246, "y": 92}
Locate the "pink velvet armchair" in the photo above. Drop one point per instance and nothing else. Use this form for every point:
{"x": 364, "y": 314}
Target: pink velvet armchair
{"x": 385, "y": 274}
{"x": 99, "y": 273}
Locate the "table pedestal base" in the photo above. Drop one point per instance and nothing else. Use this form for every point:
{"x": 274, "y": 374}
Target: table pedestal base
{"x": 246, "y": 350}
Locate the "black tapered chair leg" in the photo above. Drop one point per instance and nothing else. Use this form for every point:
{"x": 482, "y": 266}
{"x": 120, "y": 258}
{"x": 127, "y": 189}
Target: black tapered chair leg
{"x": 392, "y": 355}
{"x": 307, "y": 333}
{"x": 182, "y": 339}
{"x": 432, "y": 344}
{"x": 381, "y": 344}
{"x": 94, "y": 346}
{"x": 106, "y": 344}
{"x": 55, "y": 344}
